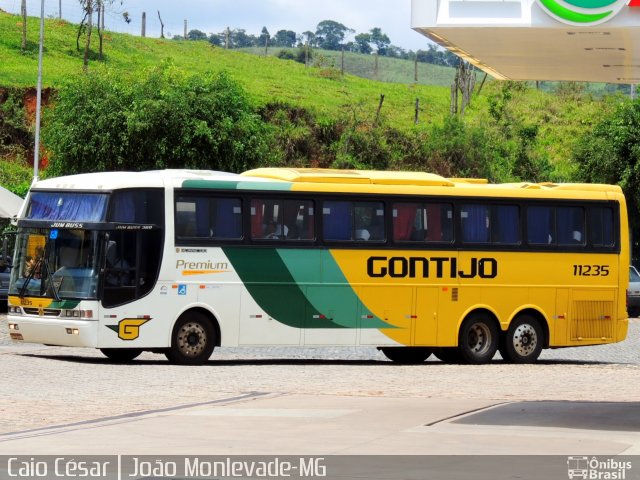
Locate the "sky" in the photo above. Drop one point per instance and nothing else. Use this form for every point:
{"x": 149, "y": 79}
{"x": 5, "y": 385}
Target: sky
{"x": 214, "y": 16}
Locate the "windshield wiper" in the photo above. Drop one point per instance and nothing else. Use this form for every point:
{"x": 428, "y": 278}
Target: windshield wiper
{"x": 47, "y": 271}
{"x": 41, "y": 264}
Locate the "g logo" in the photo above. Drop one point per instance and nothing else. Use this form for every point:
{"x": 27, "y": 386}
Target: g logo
{"x": 582, "y": 12}
{"x": 129, "y": 328}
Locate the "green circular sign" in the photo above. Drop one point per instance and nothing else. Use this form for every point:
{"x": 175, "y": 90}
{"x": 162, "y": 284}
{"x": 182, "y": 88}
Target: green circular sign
{"x": 582, "y": 12}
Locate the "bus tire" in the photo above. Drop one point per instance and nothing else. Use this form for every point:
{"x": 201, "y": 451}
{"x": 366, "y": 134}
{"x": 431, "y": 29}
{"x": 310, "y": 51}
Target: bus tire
{"x": 406, "y": 355}
{"x": 478, "y": 339}
{"x": 121, "y": 355}
{"x": 192, "y": 340}
{"x": 523, "y": 341}
{"x": 448, "y": 355}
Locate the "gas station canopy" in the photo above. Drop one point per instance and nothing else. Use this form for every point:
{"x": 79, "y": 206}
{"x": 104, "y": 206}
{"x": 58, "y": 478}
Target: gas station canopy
{"x": 570, "y": 40}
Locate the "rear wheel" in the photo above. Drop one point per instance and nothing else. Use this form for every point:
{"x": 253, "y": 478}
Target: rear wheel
{"x": 406, "y": 355}
{"x": 192, "y": 340}
{"x": 478, "y": 338}
{"x": 121, "y": 355}
{"x": 523, "y": 341}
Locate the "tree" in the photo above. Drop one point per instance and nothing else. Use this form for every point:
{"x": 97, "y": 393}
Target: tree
{"x": 285, "y": 38}
{"x": 86, "y": 24}
{"x": 331, "y": 34}
{"x": 264, "y": 39}
{"x": 310, "y": 38}
{"x": 161, "y": 119}
{"x": 380, "y": 40}
{"x": 362, "y": 43}
{"x": 196, "y": 35}
{"x": 611, "y": 154}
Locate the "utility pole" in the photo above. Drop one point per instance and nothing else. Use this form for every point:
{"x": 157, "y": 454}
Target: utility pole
{"x": 185, "y": 28}
{"x": 144, "y": 24}
{"x": 23, "y": 14}
{"x": 36, "y": 153}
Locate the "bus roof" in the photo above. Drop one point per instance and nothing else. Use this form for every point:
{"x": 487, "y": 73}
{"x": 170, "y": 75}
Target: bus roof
{"x": 325, "y": 180}
{"x": 304, "y": 176}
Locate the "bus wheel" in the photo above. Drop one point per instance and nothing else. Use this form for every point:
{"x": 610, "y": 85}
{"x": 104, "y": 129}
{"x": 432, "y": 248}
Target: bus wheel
{"x": 406, "y": 355}
{"x": 448, "y": 355}
{"x": 192, "y": 341}
{"x": 478, "y": 339}
{"x": 121, "y": 355}
{"x": 523, "y": 341}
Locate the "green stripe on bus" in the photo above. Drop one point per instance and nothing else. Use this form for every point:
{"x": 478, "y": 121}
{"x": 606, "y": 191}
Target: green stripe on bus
{"x": 236, "y": 185}
{"x": 331, "y": 292}
{"x": 274, "y": 289}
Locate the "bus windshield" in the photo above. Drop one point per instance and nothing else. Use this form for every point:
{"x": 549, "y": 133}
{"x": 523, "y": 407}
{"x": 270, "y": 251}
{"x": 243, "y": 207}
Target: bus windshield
{"x": 56, "y": 263}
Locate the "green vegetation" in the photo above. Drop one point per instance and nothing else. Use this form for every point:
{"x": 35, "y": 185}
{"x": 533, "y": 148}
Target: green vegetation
{"x": 611, "y": 154}
{"x": 164, "y": 120}
{"x": 154, "y": 103}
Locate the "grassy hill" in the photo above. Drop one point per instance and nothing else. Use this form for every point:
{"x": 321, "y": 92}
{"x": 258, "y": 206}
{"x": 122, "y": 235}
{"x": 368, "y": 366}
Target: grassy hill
{"x": 394, "y": 70}
{"x": 268, "y": 79}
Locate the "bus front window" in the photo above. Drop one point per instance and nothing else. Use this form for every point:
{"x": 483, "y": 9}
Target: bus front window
{"x": 56, "y": 264}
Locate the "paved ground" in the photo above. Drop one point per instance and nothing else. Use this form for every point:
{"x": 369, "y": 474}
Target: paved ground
{"x": 323, "y": 400}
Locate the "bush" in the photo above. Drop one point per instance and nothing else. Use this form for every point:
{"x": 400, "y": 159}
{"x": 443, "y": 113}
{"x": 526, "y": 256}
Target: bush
{"x": 165, "y": 119}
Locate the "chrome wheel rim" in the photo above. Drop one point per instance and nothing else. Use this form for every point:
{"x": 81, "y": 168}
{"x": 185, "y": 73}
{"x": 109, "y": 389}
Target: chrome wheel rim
{"x": 525, "y": 340}
{"x": 192, "y": 339}
{"x": 479, "y": 339}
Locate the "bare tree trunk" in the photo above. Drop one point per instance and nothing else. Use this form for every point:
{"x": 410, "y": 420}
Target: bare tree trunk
{"x": 23, "y": 12}
{"x": 87, "y": 46}
{"x": 143, "y": 33}
{"x": 465, "y": 82}
{"x": 161, "y": 25}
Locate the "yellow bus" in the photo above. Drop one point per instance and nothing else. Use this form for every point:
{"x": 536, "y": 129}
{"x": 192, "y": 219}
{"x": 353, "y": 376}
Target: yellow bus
{"x": 180, "y": 262}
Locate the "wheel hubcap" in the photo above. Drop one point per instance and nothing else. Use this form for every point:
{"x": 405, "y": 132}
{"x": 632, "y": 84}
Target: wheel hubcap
{"x": 479, "y": 338}
{"x": 525, "y": 340}
{"x": 192, "y": 339}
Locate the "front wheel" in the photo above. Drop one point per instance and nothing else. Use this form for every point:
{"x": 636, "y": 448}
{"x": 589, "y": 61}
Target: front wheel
{"x": 523, "y": 341}
{"x": 192, "y": 340}
{"x": 121, "y": 355}
{"x": 406, "y": 355}
{"x": 478, "y": 339}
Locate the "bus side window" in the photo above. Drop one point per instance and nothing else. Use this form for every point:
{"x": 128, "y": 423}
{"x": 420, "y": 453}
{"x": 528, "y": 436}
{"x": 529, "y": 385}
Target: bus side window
{"x": 570, "y": 225}
{"x": 336, "y": 220}
{"x": 601, "y": 227}
{"x": 541, "y": 225}
{"x": 475, "y": 223}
